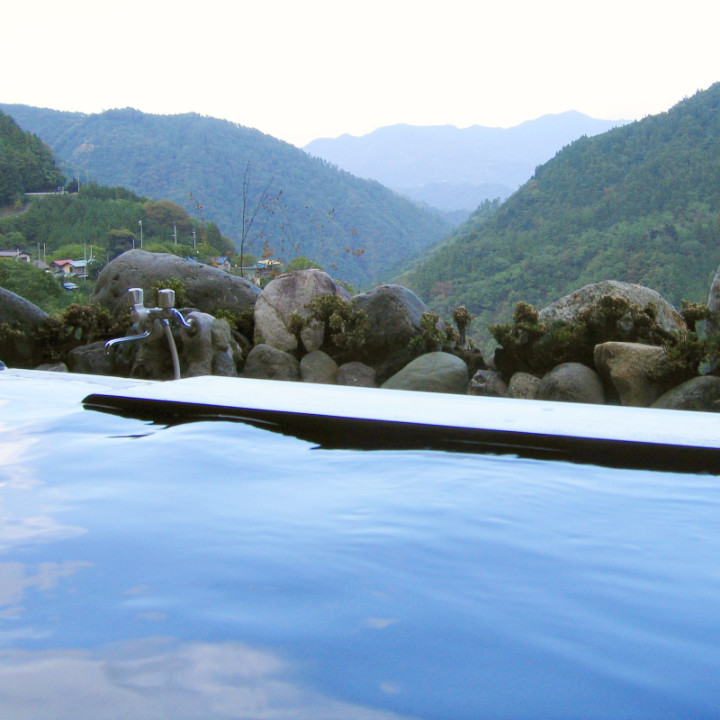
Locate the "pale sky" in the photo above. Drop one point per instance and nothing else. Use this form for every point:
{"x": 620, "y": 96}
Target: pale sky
{"x": 304, "y": 69}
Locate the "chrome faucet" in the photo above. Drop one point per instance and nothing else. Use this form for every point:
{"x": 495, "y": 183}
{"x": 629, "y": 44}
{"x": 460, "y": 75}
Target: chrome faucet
{"x": 128, "y": 338}
{"x": 164, "y": 313}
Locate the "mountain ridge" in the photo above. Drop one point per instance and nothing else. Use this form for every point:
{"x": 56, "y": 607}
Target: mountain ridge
{"x": 412, "y": 159}
{"x": 639, "y": 203}
{"x": 355, "y": 228}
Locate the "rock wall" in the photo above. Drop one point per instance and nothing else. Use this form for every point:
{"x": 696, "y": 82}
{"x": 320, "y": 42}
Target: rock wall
{"x": 290, "y": 343}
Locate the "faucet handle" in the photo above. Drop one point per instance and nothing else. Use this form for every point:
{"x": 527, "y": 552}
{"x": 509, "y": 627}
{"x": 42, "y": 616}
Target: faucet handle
{"x": 139, "y": 312}
{"x": 137, "y": 295}
{"x": 166, "y": 298}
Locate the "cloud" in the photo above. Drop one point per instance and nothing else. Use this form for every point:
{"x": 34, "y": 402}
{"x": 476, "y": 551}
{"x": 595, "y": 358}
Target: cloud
{"x": 160, "y": 677}
{"x": 16, "y": 578}
{"x": 14, "y": 472}
{"x": 380, "y": 623}
{"x": 18, "y": 475}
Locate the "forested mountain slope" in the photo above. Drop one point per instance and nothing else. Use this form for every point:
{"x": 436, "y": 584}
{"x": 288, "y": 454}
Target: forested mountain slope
{"x": 640, "y": 203}
{"x": 357, "y": 229}
{"x": 452, "y": 168}
{"x": 26, "y": 163}
{"x": 94, "y": 225}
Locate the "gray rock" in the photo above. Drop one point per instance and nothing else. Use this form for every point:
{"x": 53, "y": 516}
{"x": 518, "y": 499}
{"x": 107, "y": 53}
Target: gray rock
{"x": 290, "y": 293}
{"x": 208, "y": 348}
{"x": 224, "y": 364}
{"x": 208, "y": 289}
{"x": 149, "y": 359}
{"x": 633, "y": 370}
{"x": 698, "y": 393}
{"x": 571, "y": 306}
{"x": 228, "y": 355}
{"x": 318, "y": 367}
{"x": 268, "y": 363}
{"x": 356, "y": 374}
{"x": 394, "y": 314}
{"x": 524, "y": 386}
{"x": 487, "y": 383}
{"x": 91, "y": 359}
{"x": 713, "y": 322}
{"x": 16, "y": 310}
{"x": 433, "y": 372}
{"x": 59, "y": 367}
{"x": 572, "y": 382}
{"x": 714, "y": 305}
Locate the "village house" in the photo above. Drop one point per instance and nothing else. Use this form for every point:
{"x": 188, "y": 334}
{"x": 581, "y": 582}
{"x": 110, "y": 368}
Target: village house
{"x": 17, "y": 255}
{"x": 69, "y": 268}
{"x": 262, "y": 269}
{"x": 222, "y": 263}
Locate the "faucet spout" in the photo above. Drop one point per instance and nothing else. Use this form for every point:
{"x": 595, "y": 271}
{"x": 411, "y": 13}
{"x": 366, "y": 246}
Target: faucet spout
{"x": 154, "y": 315}
{"x": 128, "y": 338}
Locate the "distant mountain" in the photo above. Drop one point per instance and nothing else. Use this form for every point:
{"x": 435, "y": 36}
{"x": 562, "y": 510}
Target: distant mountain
{"x": 450, "y": 168}
{"x": 300, "y": 206}
{"x": 640, "y": 203}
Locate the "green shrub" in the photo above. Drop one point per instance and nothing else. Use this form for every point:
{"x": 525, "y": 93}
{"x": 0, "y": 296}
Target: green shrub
{"x": 436, "y": 335}
{"x": 181, "y": 296}
{"x": 241, "y": 322}
{"x": 345, "y": 326}
{"x": 57, "y": 335}
{"x": 529, "y": 345}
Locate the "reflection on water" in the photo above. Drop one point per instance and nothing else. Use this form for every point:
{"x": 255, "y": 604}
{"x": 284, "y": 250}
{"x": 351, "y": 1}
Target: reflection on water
{"x": 162, "y": 678}
{"x": 215, "y": 570}
{"x": 16, "y": 579}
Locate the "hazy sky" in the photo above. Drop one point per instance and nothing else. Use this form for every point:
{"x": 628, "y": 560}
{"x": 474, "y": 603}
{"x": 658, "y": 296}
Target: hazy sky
{"x": 303, "y": 69}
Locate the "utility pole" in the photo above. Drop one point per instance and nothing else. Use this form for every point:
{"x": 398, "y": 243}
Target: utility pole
{"x": 141, "y": 234}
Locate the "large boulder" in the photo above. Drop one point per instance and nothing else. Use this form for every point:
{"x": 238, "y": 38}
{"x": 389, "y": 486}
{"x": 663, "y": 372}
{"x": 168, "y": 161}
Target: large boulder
{"x": 487, "y": 383}
{"x": 394, "y": 314}
{"x": 208, "y": 289}
{"x": 148, "y": 359}
{"x": 18, "y": 313}
{"x": 208, "y": 347}
{"x": 698, "y": 393}
{"x": 633, "y": 371}
{"x": 356, "y": 374}
{"x": 433, "y": 372}
{"x": 91, "y": 359}
{"x": 571, "y": 306}
{"x": 268, "y": 363}
{"x": 287, "y": 294}
{"x": 572, "y": 382}
{"x": 16, "y": 310}
{"x": 523, "y": 385}
{"x": 318, "y": 367}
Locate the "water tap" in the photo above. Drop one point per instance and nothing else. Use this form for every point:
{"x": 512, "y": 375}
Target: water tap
{"x": 165, "y": 312}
